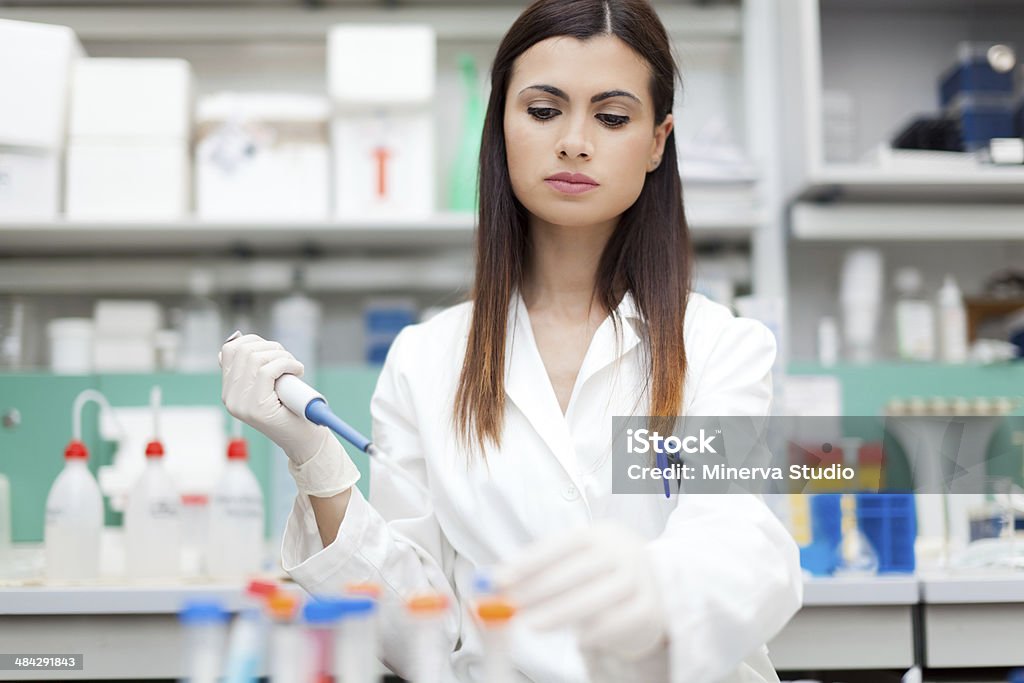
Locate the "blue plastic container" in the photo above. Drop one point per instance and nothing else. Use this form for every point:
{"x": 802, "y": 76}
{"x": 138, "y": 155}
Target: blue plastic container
{"x": 819, "y": 558}
{"x": 982, "y": 118}
{"x": 889, "y": 520}
{"x": 973, "y": 73}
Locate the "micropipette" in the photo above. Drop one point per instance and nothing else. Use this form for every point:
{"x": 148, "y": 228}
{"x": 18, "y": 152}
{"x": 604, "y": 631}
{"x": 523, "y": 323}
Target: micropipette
{"x": 307, "y": 402}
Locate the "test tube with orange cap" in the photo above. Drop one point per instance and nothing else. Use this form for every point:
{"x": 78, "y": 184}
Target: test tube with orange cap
{"x": 368, "y": 623}
{"x": 494, "y": 613}
{"x": 286, "y": 639}
{"x": 430, "y": 652}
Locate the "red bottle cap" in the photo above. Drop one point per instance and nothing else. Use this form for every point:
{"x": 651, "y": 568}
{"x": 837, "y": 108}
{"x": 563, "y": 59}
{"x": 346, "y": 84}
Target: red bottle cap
{"x": 238, "y": 449}
{"x": 262, "y": 589}
{"x": 76, "y": 449}
{"x": 154, "y": 449}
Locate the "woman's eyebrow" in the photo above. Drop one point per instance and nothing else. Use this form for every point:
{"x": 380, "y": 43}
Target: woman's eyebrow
{"x": 559, "y": 93}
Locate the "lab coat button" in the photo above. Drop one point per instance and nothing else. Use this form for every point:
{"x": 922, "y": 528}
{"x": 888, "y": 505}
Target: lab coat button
{"x": 571, "y": 493}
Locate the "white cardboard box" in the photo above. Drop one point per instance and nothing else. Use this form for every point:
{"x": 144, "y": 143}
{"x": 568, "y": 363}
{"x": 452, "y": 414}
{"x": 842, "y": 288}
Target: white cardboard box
{"x": 131, "y": 98}
{"x": 263, "y": 156}
{"x": 384, "y": 166}
{"x": 29, "y": 183}
{"x": 35, "y": 74}
{"x": 128, "y": 181}
{"x": 380, "y": 64}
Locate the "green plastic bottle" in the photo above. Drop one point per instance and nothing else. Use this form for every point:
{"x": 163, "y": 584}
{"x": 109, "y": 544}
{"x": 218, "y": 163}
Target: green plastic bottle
{"x": 462, "y": 186}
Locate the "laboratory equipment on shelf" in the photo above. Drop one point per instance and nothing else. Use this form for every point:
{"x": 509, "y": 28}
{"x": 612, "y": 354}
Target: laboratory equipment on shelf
{"x": 287, "y": 654}
{"x": 201, "y": 328}
{"x": 952, "y": 323}
{"x": 152, "y": 518}
{"x": 915, "y": 318}
{"x": 855, "y": 555}
{"x": 495, "y": 613}
{"x": 235, "y": 545}
{"x": 946, "y": 441}
{"x": 426, "y": 613}
{"x": 860, "y": 297}
{"x": 204, "y": 624}
{"x": 355, "y": 646}
{"x": 74, "y": 506}
{"x": 74, "y": 519}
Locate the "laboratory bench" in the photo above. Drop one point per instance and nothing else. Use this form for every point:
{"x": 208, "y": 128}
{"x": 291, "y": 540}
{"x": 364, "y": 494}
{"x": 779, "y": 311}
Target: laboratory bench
{"x": 938, "y": 620}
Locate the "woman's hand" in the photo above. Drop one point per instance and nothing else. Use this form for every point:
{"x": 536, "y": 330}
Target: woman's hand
{"x": 250, "y": 366}
{"x": 599, "y": 581}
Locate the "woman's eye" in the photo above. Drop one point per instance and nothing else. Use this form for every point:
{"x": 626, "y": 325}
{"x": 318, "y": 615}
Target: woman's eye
{"x": 542, "y": 113}
{"x": 613, "y": 120}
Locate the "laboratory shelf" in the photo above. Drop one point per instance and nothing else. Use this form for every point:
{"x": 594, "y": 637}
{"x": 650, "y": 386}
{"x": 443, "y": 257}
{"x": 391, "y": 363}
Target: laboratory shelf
{"x": 49, "y": 237}
{"x": 864, "y": 221}
{"x": 190, "y": 235}
{"x": 863, "y": 181}
{"x": 972, "y": 588}
{"x": 116, "y": 599}
{"x": 875, "y": 590}
{"x": 262, "y": 23}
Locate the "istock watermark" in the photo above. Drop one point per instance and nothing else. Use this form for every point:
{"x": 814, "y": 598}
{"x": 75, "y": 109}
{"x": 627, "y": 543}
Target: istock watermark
{"x": 785, "y": 454}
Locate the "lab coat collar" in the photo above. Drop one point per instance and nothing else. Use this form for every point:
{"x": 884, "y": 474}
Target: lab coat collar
{"x": 528, "y": 386}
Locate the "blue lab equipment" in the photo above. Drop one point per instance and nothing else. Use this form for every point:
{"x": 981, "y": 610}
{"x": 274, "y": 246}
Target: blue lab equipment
{"x": 307, "y": 402}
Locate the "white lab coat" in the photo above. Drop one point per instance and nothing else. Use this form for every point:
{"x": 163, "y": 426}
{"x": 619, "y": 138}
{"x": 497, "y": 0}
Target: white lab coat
{"x": 728, "y": 570}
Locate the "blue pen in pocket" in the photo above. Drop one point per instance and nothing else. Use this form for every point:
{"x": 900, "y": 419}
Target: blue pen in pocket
{"x": 663, "y": 466}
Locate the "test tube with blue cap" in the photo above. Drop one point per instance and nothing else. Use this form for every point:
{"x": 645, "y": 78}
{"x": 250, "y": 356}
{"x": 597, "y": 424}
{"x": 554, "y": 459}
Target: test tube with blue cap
{"x": 205, "y": 625}
{"x": 355, "y": 646}
{"x": 321, "y": 616}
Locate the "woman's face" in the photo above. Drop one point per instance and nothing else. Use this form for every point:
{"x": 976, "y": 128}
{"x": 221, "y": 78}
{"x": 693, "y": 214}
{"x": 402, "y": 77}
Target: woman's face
{"x": 581, "y": 107}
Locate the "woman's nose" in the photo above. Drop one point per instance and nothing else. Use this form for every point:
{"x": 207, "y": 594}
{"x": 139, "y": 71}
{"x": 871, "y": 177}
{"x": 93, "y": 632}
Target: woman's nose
{"x": 575, "y": 143}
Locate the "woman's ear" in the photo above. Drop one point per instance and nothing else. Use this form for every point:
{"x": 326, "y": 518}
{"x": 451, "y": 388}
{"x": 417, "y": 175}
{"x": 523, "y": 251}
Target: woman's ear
{"x": 661, "y": 133}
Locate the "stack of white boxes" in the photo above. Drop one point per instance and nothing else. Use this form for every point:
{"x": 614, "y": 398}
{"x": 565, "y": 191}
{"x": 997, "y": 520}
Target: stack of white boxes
{"x": 130, "y": 136}
{"x": 262, "y": 156}
{"x": 381, "y": 81}
{"x": 125, "y": 334}
{"x": 36, "y": 62}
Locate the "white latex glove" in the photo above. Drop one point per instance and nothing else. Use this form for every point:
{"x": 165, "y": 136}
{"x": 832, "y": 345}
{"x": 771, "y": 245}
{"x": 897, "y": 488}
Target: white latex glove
{"x": 598, "y": 581}
{"x": 250, "y": 365}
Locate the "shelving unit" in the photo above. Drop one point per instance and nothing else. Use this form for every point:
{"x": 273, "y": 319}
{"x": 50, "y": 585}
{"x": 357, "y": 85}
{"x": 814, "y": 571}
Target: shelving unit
{"x": 885, "y": 58}
{"x": 195, "y": 236}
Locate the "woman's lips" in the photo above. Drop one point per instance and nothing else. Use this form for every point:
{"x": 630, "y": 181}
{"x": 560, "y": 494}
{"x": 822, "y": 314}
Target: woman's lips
{"x": 570, "y": 187}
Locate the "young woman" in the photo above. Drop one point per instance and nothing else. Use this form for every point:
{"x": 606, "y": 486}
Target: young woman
{"x": 501, "y": 408}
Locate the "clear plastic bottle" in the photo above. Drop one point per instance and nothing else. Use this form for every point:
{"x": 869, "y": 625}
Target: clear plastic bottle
{"x": 952, "y": 323}
{"x": 915, "y": 319}
{"x": 201, "y": 330}
{"x": 152, "y": 521}
{"x": 205, "y": 624}
{"x": 74, "y": 519}
{"x": 235, "y": 542}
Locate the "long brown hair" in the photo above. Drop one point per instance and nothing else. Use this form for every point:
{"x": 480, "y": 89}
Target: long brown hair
{"x": 649, "y": 252}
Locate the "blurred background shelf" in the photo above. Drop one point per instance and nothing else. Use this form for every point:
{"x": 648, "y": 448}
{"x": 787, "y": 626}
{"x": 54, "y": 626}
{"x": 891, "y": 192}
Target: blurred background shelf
{"x": 916, "y": 221}
{"x": 869, "y": 182}
{"x": 195, "y": 236}
{"x": 262, "y": 22}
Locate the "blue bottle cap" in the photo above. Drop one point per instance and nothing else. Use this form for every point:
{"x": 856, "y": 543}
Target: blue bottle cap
{"x": 356, "y": 606}
{"x": 322, "y": 611}
{"x": 482, "y": 582}
{"x": 202, "y": 612}
{"x": 1015, "y": 676}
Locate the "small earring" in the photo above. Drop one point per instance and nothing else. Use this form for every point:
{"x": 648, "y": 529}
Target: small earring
{"x": 655, "y": 163}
